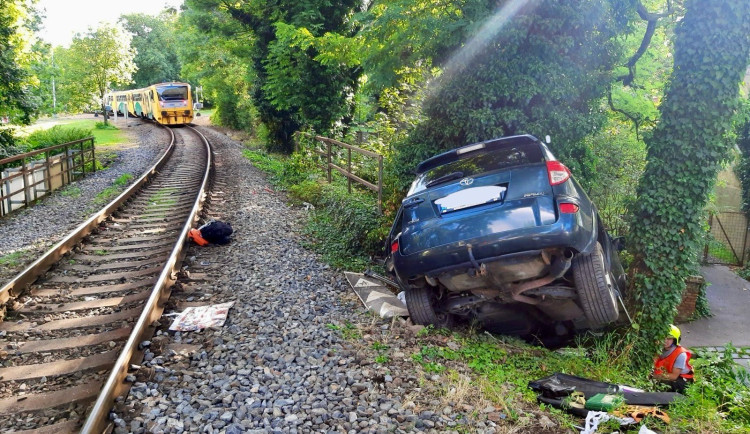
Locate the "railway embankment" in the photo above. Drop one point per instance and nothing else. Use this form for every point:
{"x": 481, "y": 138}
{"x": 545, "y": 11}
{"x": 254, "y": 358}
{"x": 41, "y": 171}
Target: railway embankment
{"x": 296, "y": 353}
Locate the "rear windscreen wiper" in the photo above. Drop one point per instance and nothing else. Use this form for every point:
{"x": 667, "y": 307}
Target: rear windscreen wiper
{"x": 445, "y": 178}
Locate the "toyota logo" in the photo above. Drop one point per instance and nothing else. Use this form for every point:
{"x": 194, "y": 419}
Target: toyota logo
{"x": 466, "y": 182}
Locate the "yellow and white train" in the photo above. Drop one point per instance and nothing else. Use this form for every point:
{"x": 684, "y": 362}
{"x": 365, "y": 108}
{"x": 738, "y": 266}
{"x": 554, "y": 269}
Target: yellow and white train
{"x": 166, "y": 103}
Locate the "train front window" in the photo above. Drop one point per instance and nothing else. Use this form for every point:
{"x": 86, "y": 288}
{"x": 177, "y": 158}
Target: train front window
{"x": 172, "y": 93}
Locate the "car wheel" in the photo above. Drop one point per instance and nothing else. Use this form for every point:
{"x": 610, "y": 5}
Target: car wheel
{"x": 595, "y": 290}
{"x": 421, "y": 302}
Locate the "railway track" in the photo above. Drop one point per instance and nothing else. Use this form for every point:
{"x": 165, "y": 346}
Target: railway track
{"x": 71, "y": 338}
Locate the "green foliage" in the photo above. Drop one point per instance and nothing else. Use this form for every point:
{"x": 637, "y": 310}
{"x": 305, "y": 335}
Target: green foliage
{"x": 382, "y": 352}
{"x": 620, "y": 158}
{"x": 340, "y": 227}
{"x": 505, "y": 365}
{"x": 742, "y": 134}
{"x": 288, "y": 86}
{"x": 56, "y": 135}
{"x": 208, "y": 37}
{"x": 11, "y": 259}
{"x": 71, "y": 191}
{"x": 17, "y": 18}
{"x": 155, "y": 43}
{"x": 685, "y": 152}
{"x": 113, "y": 190}
{"x": 348, "y": 331}
{"x": 96, "y": 60}
{"x": 345, "y": 228}
{"x": 719, "y": 400}
{"x": 542, "y": 72}
{"x": 103, "y": 126}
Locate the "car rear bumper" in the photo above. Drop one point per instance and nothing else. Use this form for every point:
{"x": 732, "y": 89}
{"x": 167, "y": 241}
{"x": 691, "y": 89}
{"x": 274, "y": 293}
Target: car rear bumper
{"x": 567, "y": 233}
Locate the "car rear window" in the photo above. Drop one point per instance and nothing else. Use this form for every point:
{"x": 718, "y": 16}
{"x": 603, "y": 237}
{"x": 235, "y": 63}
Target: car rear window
{"x": 480, "y": 162}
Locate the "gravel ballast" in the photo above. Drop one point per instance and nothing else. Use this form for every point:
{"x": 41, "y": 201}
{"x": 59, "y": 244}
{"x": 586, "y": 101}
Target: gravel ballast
{"x": 280, "y": 363}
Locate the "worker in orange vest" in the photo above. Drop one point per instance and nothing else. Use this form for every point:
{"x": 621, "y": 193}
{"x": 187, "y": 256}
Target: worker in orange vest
{"x": 672, "y": 366}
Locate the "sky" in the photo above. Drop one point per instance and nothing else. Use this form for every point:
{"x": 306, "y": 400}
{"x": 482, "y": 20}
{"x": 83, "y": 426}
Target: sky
{"x": 66, "y": 17}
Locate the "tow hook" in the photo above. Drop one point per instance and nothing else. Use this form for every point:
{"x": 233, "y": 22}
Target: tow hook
{"x": 480, "y": 269}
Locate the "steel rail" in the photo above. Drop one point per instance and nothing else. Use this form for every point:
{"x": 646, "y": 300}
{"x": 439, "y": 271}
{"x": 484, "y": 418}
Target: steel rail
{"x": 26, "y": 277}
{"x": 98, "y": 419}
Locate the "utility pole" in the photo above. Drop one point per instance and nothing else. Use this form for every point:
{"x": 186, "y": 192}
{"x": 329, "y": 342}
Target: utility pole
{"x": 54, "y": 95}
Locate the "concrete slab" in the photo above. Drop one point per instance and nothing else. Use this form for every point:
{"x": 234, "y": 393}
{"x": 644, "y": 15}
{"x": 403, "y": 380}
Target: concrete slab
{"x": 376, "y": 296}
{"x": 729, "y": 299}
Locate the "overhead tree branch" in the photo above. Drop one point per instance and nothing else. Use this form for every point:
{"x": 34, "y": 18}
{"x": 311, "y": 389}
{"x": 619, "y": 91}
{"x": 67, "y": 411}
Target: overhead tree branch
{"x": 612, "y": 107}
{"x": 652, "y": 19}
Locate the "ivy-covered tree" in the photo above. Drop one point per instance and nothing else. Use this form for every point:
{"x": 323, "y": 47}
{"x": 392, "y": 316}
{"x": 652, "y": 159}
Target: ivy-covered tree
{"x": 742, "y": 135}
{"x": 685, "y": 152}
{"x": 155, "y": 45}
{"x": 538, "y": 67}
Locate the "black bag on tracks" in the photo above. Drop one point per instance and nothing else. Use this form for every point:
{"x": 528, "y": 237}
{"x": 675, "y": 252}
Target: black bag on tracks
{"x": 216, "y": 232}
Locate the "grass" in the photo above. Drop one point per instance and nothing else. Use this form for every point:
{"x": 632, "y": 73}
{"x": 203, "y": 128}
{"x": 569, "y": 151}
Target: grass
{"x": 116, "y": 188}
{"x": 721, "y": 252}
{"x": 502, "y": 367}
{"x": 348, "y": 331}
{"x": 71, "y": 191}
{"x": 12, "y": 259}
{"x": 104, "y": 137}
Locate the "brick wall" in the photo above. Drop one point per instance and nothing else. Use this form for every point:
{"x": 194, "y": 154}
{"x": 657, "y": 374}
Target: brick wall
{"x": 686, "y": 309}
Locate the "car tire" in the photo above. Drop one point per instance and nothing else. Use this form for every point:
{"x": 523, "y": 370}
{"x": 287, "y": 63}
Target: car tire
{"x": 421, "y": 302}
{"x": 595, "y": 291}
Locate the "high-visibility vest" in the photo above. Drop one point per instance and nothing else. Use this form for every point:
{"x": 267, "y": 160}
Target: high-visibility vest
{"x": 195, "y": 235}
{"x": 666, "y": 364}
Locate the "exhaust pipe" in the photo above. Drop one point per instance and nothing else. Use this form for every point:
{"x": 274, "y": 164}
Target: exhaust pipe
{"x": 557, "y": 270}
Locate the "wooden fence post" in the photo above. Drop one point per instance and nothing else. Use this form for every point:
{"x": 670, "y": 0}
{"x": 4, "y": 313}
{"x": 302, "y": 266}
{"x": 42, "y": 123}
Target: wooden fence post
{"x": 380, "y": 184}
{"x": 83, "y": 159}
{"x": 328, "y": 145}
{"x": 93, "y": 156}
{"x": 25, "y": 183}
{"x": 349, "y": 168}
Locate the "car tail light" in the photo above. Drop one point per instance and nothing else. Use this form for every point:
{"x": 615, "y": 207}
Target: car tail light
{"x": 557, "y": 172}
{"x": 568, "y": 208}
{"x": 394, "y": 246}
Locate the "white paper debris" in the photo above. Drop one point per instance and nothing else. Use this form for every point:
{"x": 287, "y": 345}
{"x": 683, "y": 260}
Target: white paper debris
{"x": 198, "y": 318}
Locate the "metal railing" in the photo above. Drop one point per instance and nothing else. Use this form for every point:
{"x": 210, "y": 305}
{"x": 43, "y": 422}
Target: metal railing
{"x": 27, "y": 177}
{"x": 328, "y": 157}
{"x": 728, "y": 239}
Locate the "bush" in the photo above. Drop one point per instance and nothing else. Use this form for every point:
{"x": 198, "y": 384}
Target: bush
{"x": 719, "y": 400}
{"x": 103, "y": 126}
{"x": 56, "y": 135}
{"x": 342, "y": 225}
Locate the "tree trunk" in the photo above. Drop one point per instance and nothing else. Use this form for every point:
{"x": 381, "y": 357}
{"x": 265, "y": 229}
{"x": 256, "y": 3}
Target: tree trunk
{"x": 685, "y": 152}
